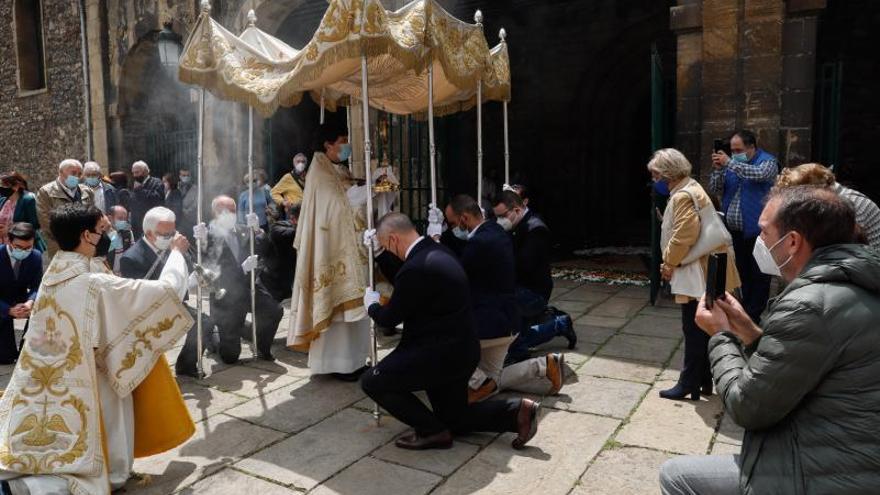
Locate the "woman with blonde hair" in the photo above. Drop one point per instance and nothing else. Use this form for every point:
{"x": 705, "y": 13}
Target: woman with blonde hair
{"x": 679, "y": 233}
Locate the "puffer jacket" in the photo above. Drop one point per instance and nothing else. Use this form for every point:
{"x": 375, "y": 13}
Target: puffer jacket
{"x": 808, "y": 391}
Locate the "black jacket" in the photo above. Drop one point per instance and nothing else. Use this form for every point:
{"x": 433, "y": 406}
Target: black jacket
{"x": 148, "y": 196}
{"x": 432, "y": 300}
{"x": 137, "y": 260}
{"x": 278, "y": 260}
{"x": 489, "y": 263}
{"x": 14, "y": 291}
{"x": 219, "y": 255}
{"x": 532, "y": 247}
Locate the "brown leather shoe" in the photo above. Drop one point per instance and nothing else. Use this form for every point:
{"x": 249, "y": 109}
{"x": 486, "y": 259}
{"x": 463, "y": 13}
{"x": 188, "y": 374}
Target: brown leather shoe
{"x": 526, "y": 423}
{"x": 442, "y": 440}
{"x": 555, "y": 372}
{"x": 488, "y": 388}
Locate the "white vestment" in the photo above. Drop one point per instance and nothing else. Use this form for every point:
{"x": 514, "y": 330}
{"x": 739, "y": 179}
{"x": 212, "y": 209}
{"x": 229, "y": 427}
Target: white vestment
{"x": 67, "y": 419}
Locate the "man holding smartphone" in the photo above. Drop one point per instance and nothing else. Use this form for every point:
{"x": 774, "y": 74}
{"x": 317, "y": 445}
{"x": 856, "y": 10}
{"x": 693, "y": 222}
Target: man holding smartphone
{"x": 743, "y": 180}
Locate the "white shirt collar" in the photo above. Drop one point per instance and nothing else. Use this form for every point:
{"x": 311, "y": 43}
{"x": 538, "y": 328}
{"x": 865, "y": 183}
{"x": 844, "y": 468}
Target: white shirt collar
{"x": 411, "y": 246}
{"x": 474, "y": 232}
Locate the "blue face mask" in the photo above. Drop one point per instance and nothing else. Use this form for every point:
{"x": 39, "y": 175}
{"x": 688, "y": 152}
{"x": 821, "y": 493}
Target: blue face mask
{"x": 92, "y": 181}
{"x": 740, "y": 157}
{"x": 115, "y": 241}
{"x": 121, "y": 225}
{"x": 71, "y": 181}
{"x": 21, "y": 254}
{"x": 460, "y": 233}
{"x": 345, "y": 152}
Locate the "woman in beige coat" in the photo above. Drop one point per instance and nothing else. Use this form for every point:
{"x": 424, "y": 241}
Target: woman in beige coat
{"x": 679, "y": 233}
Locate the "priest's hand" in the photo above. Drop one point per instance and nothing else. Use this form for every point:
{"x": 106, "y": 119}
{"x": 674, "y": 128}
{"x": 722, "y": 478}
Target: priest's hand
{"x": 200, "y": 232}
{"x": 250, "y": 263}
{"x": 180, "y": 243}
{"x": 371, "y": 297}
{"x": 253, "y": 221}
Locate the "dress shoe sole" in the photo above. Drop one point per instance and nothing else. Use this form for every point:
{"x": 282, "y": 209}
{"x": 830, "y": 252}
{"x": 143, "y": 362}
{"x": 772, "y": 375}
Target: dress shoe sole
{"x": 520, "y": 443}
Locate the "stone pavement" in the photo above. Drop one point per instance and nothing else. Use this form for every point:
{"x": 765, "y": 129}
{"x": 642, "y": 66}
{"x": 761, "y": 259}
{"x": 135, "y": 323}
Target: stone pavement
{"x": 268, "y": 428}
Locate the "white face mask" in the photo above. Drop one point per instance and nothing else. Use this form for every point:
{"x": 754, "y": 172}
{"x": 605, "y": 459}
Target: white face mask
{"x": 299, "y": 167}
{"x": 460, "y": 233}
{"x": 764, "y": 257}
{"x": 505, "y": 223}
{"x": 225, "y": 221}
{"x": 162, "y": 243}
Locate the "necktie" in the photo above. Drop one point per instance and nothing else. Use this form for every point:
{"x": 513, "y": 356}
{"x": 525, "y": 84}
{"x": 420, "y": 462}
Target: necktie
{"x": 15, "y": 266}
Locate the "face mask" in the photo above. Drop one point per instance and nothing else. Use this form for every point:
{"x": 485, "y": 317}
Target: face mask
{"x": 21, "y": 254}
{"x": 102, "y": 247}
{"x": 92, "y": 181}
{"x": 460, "y": 233}
{"x": 115, "y": 241}
{"x": 225, "y": 221}
{"x": 345, "y": 152}
{"x": 740, "y": 157}
{"x": 163, "y": 242}
{"x": 299, "y": 167}
{"x": 764, "y": 257}
{"x": 505, "y": 223}
{"x": 71, "y": 181}
{"x": 139, "y": 179}
{"x": 121, "y": 225}
{"x": 185, "y": 179}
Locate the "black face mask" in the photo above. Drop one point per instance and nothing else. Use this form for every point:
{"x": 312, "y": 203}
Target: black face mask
{"x": 5, "y": 191}
{"x": 103, "y": 245}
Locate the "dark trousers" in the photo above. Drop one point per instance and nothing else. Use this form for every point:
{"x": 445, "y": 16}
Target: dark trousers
{"x": 229, "y": 316}
{"x": 695, "y": 371}
{"x": 186, "y": 360}
{"x": 755, "y": 285}
{"x": 8, "y": 346}
{"x": 531, "y": 333}
{"x": 394, "y": 392}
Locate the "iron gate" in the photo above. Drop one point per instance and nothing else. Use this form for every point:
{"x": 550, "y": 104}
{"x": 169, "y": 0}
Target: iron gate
{"x": 171, "y": 151}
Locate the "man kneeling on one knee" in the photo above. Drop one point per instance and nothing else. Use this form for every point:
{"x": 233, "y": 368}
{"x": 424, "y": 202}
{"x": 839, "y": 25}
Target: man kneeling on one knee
{"x": 804, "y": 384}
{"x": 438, "y": 350}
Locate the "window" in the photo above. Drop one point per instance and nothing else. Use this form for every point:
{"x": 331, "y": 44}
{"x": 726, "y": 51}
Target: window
{"x": 29, "y": 45}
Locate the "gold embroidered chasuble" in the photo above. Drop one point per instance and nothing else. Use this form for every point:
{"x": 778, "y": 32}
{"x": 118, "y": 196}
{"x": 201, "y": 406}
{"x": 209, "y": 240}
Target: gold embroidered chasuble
{"x": 85, "y": 321}
{"x": 331, "y": 263}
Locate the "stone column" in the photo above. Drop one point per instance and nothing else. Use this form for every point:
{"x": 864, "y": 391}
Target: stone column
{"x": 798, "y": 79}
{"x": 686, "y": 21}
{"x": 762, "y": 70}
{"x": 94, "y": 29}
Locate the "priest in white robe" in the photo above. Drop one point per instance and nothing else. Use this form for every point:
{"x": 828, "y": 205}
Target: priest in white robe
{"x": 91, "y": 389}
{"x": 327, "y": 316}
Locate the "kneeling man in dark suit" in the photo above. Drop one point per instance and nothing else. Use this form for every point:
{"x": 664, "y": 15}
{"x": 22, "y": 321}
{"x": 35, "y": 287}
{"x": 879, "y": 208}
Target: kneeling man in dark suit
{"x": 438, "y": 351}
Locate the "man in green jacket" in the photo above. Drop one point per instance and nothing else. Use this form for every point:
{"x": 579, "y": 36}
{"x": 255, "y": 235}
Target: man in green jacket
{"x": 805, "y": 385}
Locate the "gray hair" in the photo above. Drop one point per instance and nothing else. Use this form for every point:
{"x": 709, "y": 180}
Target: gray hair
{"x": 90, "y": 167}
{"x": 396, "y": 223}
{"x": 68, "y": 163}
{"x": 157, "y": 215}
{"x": 301, "y": 155}
{"x": 670, "y": 163}
{"x": 140, "y": 164}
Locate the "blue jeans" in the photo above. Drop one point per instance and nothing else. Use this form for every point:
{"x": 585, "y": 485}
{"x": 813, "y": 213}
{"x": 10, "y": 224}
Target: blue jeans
{"x": 701, "y": 475}
{"x": 531, "y": 306}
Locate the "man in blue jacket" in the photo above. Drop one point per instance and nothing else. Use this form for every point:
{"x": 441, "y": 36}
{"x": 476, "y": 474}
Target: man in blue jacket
{"x": 21, "y": 270}
{"x": 743, "y": 181}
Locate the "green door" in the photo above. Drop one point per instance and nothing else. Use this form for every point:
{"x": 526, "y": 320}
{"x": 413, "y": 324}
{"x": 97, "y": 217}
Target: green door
{"x": 659, "y": 137}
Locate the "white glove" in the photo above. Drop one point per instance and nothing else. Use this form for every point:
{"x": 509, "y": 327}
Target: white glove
{"x": 435, "y": 216}
{"x": 435, "y": 230}
{"x": 371, "y": 297}
{"x": 200, "y": 232}
{"x": 250, "y": 263}
{"x": 370, "y": 239}
{"x": 253, "y": 221}
{"x": 193, "y": 281}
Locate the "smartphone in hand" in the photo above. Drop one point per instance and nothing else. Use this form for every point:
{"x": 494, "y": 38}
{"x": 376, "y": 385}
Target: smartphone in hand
{"x": 716, "y": 278}
{"x": 718, "y": 145}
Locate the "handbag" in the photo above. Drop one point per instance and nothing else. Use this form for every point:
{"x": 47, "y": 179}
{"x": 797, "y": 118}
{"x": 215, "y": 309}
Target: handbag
{"x": 713, "y": 232}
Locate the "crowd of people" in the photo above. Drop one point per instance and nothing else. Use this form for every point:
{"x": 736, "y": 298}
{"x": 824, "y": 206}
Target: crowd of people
{"x": 470, "y": 297}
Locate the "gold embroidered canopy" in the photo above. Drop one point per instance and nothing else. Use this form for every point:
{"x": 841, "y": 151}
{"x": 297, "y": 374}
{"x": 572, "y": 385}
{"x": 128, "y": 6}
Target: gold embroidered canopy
{"x": 265, "y": 73}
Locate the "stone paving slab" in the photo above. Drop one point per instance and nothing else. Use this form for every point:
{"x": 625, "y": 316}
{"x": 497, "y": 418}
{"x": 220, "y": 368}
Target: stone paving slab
{"x": 583, "y": 295}
{"x": 574, "y": 357}
{"x": 654, "y": 326}
{"x": 573, "y": 308}
{"x": 623, "y": 471}
{"x": 566, "y": 284}
{"x": 317, "y": 453}
{"x": 232, "y": 482}
{"x": 619, "y": 307}
{"x": 602, "y": 396}
{"x": 594, "y": 334}
{"x": 442, "y": 462}
{"x": 635, "y": 292}
{"x": 300, "y": 404}
{"x": 565, "y": 444}
{"x": 217, "y": 442}
{"x": 721, "y": 448}
{"x": 638, "y": 348}
{"x": 601, "y": 321}
{"x": 684, "y": 427}
{"x": 387, "y": 479}
{"x": 668, "y": 312}
{"x": 675, "y": 364}
{"x": 620, "y": 369}
{"x": 248, "y": 381}
{"x": 204, "y": 402}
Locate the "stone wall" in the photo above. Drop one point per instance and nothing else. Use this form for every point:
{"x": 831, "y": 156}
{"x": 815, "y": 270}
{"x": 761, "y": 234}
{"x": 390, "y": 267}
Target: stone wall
{"x": 39, "y": 129}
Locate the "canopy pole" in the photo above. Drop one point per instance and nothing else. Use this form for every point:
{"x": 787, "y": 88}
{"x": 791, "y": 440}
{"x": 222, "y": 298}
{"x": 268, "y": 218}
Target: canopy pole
{"x": 252, "y": 234}
{"x": 321, "y": 121}
{"x": 478, "y": 17}
{"x": 200, "y": 371}
{"x": 368, "y": 173}
{"x": 433, "y": 147}
{"x": 503, "y": 35}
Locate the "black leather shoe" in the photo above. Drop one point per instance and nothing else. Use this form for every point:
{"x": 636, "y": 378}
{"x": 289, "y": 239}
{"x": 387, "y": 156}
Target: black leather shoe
{"x": 265, "y": 356}
{"x": 350, "y": 377}
{"x": 193, "y": 373}
{"x": 442, "y": 440}
{"x": 679, "y": 391}
{"x": 526, "y": 423}
{"x": 706, "y": 390}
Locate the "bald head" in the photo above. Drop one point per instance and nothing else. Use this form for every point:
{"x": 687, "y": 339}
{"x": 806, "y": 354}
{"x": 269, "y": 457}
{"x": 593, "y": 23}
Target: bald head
{"x": 396, "y": 233}
{"x": 222, "y": 204}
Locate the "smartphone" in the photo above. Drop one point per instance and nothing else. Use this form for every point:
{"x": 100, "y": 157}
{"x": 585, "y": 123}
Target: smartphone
{"x": 718, "y": 145}
{"x": 716, "y": 278}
